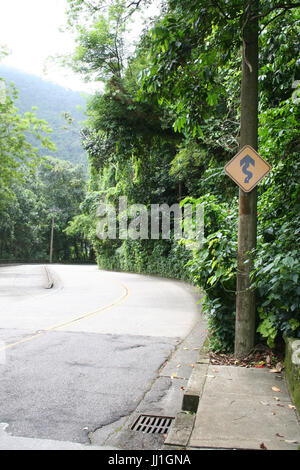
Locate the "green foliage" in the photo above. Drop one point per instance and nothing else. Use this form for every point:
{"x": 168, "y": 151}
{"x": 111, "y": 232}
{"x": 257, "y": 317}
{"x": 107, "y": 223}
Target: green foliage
{"x": 100, "y": 49}
{"x": 277, "y": 266}
{"x": 165, "y": 127}
{"x": 167, "y": 259}
{"x": 54, "y": 104}
{"x": 279, "y": 58}
{"x": 17, "y": 155}
{"x": 213, "y": 268}
{"x": 55, "y": 187}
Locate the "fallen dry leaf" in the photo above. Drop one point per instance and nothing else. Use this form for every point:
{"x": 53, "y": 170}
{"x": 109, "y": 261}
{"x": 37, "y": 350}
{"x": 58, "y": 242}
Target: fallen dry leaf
{"x": 275, "y": 389}
{"x": 279, "y": 435}
{"x": 274, "y": 371}
{"x": 262, "y": 356}
{"x": 273, "y": 413}
{"x": 292, "y": 407}
{"x": 192, "y": 365}
{"x": 262, "y": 446}
{"x": 276, "y": 398}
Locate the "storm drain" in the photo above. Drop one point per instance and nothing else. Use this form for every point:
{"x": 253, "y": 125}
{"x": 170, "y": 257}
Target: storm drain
{"x": 152, "y": 424}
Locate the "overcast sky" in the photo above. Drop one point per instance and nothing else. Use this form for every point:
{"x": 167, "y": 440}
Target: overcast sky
{"x": 30, "y": 29}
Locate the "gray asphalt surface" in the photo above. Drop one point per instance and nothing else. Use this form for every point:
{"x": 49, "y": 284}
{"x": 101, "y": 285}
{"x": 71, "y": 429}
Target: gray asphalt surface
{"x": 82, "y": 355}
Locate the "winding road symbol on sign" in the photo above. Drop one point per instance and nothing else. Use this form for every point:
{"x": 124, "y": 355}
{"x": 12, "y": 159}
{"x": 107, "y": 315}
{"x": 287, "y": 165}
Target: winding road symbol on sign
{"x": 245, "y": 163}
{"x": 247, "y": 168}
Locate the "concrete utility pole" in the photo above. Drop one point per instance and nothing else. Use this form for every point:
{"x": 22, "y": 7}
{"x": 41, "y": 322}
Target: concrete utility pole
{"x": 51, "y": 238}
{"x": 245, "y": 299}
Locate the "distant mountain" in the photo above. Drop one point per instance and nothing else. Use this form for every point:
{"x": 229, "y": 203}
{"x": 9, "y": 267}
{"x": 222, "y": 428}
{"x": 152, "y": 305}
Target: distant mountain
{"x": 52, "y": 101}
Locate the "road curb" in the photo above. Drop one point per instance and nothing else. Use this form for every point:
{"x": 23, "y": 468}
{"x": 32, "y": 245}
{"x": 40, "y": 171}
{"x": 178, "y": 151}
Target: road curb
{"x": 195, "y": 387}
{"x": 50, "y": 279}
{"x": 183, "y": 425}
{"x": 180, "y": 432}
{"x": 196, "y": 381}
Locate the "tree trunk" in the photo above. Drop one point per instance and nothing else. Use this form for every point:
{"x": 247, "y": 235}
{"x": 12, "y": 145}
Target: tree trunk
{"x": 245, "y": 300}
{"x": 179, "y": 191}
{"x": 76, "y": 250}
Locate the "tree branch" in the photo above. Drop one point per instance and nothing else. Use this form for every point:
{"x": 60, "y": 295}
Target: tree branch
{"x": 248, "y": 16}
{"x": 272, "y": 19}
{"x": 135, "y": 4}
{"x": 279, "y": 6}
{"x": 221, "y": 9}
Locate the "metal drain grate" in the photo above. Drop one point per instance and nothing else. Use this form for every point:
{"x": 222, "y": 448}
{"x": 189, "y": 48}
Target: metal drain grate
{"x": 152, "y": 424}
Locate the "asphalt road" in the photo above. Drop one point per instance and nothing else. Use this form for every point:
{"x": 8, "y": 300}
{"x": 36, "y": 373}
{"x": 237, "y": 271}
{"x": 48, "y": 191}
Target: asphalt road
{"x": 80, "y": 356}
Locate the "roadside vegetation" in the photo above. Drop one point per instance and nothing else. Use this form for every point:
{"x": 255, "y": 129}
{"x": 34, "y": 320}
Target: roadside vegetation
{"x": 32, "y": 188}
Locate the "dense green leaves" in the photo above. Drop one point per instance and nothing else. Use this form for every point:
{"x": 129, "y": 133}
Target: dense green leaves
{"x": 16, "y": 153}
{"x": 56, "y": 187}
{"x": 62, "y": 108}
{"x": 32, "y": 188}
{"x": 277, "y": 265}
{"x": 163, "y": 130}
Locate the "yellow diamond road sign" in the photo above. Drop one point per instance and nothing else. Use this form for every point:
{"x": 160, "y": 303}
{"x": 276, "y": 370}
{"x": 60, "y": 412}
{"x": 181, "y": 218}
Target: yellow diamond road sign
{"x": 247, "y": 168}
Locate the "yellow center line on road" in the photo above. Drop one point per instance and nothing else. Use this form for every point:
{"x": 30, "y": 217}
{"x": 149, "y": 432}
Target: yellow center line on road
{"x": 85, "y": 316}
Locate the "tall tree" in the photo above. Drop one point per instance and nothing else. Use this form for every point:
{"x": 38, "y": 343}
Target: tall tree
{"x": 245, "y": 302}
{"x": 16, "y": 153}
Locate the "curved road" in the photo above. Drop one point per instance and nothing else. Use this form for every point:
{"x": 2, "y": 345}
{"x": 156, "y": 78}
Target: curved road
{"x": 82, "y": 355}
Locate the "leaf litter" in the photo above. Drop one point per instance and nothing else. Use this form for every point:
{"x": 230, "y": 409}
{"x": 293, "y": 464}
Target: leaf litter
{"x": 260, "y": 357}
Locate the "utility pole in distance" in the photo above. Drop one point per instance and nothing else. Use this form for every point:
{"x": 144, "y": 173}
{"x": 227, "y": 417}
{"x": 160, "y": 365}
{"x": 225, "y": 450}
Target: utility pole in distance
{"x": 51, "y": 238}
{"x": 245, "y": 297}
{"x": 53, "y": 211}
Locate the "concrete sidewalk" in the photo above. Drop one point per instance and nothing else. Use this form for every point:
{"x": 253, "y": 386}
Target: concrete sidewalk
{"x": 236, "y": 408}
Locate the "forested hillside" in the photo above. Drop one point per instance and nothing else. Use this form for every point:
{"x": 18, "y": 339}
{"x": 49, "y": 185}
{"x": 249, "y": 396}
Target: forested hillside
{"x": 52, "y": 101}
{"x": 38, "y": 191}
